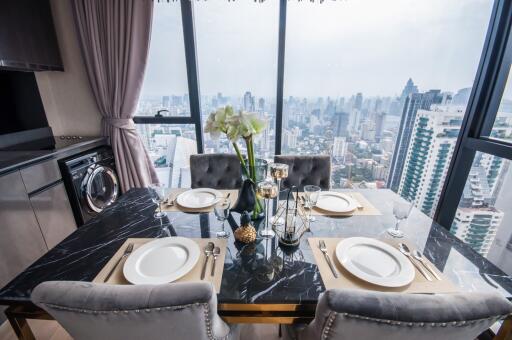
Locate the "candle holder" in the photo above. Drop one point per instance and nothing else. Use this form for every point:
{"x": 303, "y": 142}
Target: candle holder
{"x": 295, "y": 221}
{"x": 267, "y": 190}
{"x": 278, "y": 171}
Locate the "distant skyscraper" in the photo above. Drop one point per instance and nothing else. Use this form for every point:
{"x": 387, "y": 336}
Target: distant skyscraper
{"x": 413, "y": 103}
{"x": 379, "y": 124}
{"x": 249, "y": 102}
{"x": 341, "y": 120}
{"x": 432, "y": 142}
{"x": 261, "y": 104}
{"x": 339, "y": 147}
{"x": 409, "y": 88}
{"x": 165, "y": 101}
{"x": 462, "y": 97}
{"x": 358, "y": 103}
{"x": 368, "y": 131}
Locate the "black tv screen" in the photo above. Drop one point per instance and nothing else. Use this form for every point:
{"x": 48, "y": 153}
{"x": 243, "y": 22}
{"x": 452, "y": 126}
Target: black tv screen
{"x": 21, "y": 107}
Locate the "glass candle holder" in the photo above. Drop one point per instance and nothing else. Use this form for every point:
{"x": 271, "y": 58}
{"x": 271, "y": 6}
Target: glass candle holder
{"x": 278, "y": 171}
{"x": 267, "y": 190}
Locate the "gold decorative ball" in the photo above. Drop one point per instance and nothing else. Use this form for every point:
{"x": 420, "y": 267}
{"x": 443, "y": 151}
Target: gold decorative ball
{"x": 245, "y": 233}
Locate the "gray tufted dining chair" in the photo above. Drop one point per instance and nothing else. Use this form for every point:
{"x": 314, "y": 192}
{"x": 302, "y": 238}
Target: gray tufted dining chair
{"x": 179, "y": 311}
{"x": 354, "y": 314}
{"x": 216, "y": 171}
{"x": 306, "y": 170}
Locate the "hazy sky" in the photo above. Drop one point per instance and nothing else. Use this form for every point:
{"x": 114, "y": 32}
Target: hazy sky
{"x": 336, "y": 48}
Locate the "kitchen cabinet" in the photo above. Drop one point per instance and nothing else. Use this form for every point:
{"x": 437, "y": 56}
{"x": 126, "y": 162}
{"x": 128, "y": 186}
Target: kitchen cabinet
{"x": 53, "y": 212}
{"x": 21, "y": 240}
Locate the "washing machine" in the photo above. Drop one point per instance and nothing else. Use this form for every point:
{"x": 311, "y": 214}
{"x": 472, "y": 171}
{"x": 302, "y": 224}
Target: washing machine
{"x": 91, "y": 182}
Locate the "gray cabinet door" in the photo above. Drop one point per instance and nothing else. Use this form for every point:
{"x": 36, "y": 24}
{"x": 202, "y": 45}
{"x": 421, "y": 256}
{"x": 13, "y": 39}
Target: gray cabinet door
{"x": 54, "y": 214}
{"x": 21, "y": 241}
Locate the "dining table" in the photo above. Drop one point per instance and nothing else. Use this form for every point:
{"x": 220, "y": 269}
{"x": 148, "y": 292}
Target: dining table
{"x": 262, "y": 282}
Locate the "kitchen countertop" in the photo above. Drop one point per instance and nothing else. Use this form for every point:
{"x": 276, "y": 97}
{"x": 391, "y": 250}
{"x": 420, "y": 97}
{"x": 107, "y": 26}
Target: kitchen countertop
{"x": 14, "y": 159}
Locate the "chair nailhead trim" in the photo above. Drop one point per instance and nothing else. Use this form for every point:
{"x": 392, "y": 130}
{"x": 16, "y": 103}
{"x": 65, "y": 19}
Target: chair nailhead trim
{"x": 423, "y": 324}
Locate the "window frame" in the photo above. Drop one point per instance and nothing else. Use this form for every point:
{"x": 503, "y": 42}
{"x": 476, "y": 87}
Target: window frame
{"x": 484, "y": 102}
{"x": 478, "y": 121}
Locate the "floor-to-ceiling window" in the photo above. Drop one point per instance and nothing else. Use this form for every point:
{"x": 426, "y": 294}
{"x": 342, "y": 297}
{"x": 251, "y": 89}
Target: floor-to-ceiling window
{"x": 237, "y": 64}
{"x": 381, "y": 86}
{"x": 165, "y": 95}
{"x": 383, "y": 92}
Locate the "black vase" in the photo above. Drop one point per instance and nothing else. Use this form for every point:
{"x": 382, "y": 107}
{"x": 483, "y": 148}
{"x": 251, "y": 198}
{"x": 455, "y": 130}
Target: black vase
{"x": 246, "y": 197}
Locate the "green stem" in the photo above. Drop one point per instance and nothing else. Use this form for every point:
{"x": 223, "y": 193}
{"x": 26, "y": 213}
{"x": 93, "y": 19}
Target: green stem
{"x": 252, "y": 169}
{"x": 241, "y": 158}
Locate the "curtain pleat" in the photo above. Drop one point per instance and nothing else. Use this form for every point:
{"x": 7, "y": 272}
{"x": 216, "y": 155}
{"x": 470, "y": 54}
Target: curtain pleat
{"x": 114, "y": 38}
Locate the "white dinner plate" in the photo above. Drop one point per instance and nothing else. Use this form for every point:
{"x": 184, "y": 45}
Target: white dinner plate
{"x": 199, "y": 198}
{"x": 336, "y": 202}
{"x": 375, "y": 262}
{"x": 160, "y": 261}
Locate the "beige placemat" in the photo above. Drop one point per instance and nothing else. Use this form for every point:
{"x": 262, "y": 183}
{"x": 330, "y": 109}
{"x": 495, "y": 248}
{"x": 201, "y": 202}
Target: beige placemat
{"x": 367, "y": 210}
{"x": 194, "y": 275}
{"x": 175, "y": 207}
{"x": 349, "y": 281}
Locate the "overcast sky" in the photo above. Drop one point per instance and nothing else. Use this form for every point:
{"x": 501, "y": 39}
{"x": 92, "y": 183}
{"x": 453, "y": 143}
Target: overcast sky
{"x": 336, "y": 48}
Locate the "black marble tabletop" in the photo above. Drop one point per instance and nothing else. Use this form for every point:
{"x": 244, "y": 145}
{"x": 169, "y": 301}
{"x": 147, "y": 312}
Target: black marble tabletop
{"x": 262, "y": 272}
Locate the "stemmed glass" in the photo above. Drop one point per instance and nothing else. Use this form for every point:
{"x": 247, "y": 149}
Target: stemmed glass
{"x": 222, "y": 212}
{"x": 267, "y": 190}
{"x": 157, "y": 197}
{"x": 401, "y": 210}
{"x": 311, "y": 195}
{"x": 278, "y": 171}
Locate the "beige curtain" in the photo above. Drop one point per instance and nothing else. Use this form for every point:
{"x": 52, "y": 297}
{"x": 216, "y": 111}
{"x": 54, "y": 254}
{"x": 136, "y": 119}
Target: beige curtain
{"x": 114, "y": 37}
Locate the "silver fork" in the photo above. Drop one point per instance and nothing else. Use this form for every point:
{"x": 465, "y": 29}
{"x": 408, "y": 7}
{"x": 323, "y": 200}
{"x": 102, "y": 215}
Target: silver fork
{"x": 126, "y": 253}
{"x": 323, "y": 249}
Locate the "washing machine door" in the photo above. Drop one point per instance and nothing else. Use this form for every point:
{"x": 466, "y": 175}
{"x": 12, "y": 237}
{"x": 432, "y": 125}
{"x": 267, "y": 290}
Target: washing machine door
{"x": 100, "y": 187}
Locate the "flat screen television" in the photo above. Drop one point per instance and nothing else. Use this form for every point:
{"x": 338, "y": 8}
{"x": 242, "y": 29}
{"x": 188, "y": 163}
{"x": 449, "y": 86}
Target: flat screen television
{"x": 21, "y": 107}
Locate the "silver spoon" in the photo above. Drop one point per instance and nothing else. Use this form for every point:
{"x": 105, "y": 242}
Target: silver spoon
{"x": 418, "y": 256}
{"x": 208, "y": 250}
{"x": 216, "y": 253}
{"x": 405, "y": 250}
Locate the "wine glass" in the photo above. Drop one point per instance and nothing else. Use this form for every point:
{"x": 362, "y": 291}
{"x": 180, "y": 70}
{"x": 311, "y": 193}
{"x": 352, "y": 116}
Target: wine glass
{"x": 278, "y": 171}
{"x": 267, "y": 190}
{"x": 222, "y": 212}
{"x": 401, "y": 210}
{"x": 311, "y": 195}
{"x": 158, "y": 195}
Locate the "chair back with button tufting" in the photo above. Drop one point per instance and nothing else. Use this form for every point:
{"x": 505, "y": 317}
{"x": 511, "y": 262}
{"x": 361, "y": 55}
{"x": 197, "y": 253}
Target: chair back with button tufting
{"x": 216, "y": 171}
{"x": 306, "y": 170}
{"x": 178, "y": 311}
{"x": 356, "y": 314}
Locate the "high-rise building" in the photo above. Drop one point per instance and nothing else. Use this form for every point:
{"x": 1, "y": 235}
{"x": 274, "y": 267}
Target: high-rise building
{"x": 354, "y": 120}
{"x": 409, "y": 89}
{"x": 433, "y": 139}
{"x": 358, "y": 103}
{"x": 339, "y": 147}
{"x": 368, "y": 130}
{"x": 379, "y": 124}
{"x": 261, "y": 104}
{"x": 413, "y": 103}
{"x": 165, "y": 101}
{"x": 461, "y": 98}
{"x": 411, "y": 107}
{"x": 477, "y": 220}
{"x": 249, "y": 102}
{"x": 341, "y": 120}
